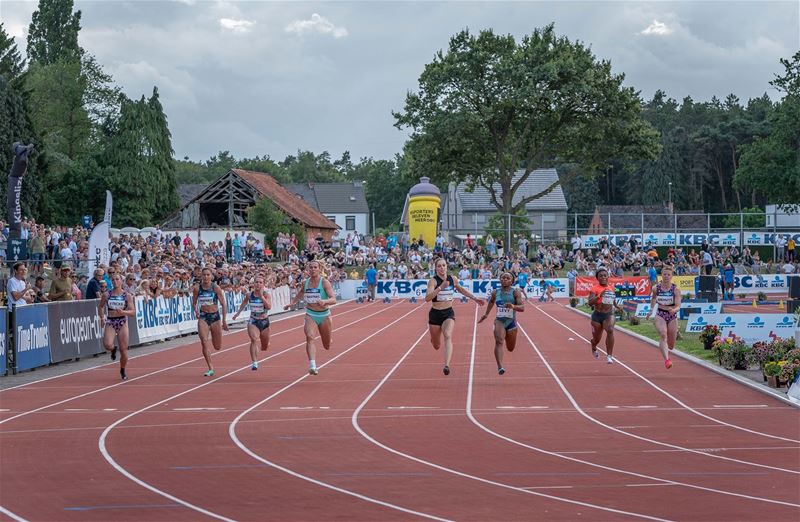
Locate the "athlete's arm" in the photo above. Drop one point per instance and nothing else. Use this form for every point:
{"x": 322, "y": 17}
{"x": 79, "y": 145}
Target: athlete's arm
{"x": 458, "y": 286}
{"x": 241, "y": 307}
{"x": 519, "y": 304}
{"x": 331, "y": 300}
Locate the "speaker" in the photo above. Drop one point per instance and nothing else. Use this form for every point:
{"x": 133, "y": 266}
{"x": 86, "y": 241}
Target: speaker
{"x": 709, "y": 296}
{"x": 794, "y": 287}
{"x": 708, "y": 283}
{"x": 792, "y": 305}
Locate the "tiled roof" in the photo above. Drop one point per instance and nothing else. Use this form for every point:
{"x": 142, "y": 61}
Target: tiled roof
{"x": 333, "y": 198}
{"x": 285, "y": 200}
{"x": 188, "y": 191}
{"x": 480, "y": 200}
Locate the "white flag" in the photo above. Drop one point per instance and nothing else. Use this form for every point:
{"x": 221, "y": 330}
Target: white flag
{"x": 109, "y": 207}
{"x": 99, "y": 247}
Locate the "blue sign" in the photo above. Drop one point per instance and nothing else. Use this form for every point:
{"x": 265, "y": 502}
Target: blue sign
{"x": 87, "y": 221}
{"x": 32, "y": 337}
{"x": 3, "y": 340}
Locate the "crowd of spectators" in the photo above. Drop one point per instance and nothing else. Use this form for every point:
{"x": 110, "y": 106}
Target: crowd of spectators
{"x": 164, "y": 263}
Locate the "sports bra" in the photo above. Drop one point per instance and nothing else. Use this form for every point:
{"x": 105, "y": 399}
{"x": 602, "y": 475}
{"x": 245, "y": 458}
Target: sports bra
{"x": 207, "y": 297}
{"x": 446, "y": 294}
{"x": 665, "y": 297}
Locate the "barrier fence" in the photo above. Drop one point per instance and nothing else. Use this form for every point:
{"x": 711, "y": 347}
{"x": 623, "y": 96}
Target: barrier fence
{"x": 47, "y": 333}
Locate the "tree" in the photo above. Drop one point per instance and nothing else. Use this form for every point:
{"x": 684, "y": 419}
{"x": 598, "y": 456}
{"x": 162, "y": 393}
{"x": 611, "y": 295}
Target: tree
{"x": 490, "y": 106}
{"x": 268, "y": 219}
{"x": 385, "y": 185}
{"x": 771, "y": 164}
{"x": 53, "y": 33}
{"x": 752, "y": 218}
{"x": 159, "y": 156}
{"x": 12, "y": 66}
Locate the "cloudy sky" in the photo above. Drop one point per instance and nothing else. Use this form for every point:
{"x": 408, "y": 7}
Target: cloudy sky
{"x": 273, "y": 77}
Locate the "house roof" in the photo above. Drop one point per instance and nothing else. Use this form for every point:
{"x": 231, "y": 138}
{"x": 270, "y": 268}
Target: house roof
{"x": 188, "y": 191}
{"x": 333, "y": 198}
{"x": 479, "y": 200}
{"x": 288, "y": 202}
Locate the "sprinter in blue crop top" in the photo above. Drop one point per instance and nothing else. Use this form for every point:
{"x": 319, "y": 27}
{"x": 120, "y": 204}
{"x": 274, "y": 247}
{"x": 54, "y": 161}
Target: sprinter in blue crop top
{"x": 318, "y": 295}
{"x": 509, "y": 301}
{"x": 114, "y": 308}
{"x": 207, "y": 301}
{"x": 260, "y": 302}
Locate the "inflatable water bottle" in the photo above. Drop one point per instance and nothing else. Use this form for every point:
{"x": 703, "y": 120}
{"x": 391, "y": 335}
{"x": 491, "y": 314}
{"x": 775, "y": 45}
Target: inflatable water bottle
{"x": 424, "y": 200}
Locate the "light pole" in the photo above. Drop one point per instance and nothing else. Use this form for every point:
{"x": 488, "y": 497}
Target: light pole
{"x": 670, "y": 196}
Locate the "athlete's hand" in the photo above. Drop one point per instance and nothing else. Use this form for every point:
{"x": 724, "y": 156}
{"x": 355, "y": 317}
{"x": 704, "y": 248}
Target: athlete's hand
{"x": 482, "y": 318}
{"x": 444, "y": 285}
{"x": 480, "y": 302}
{"x": 286, "y": 307}
{"x": 225, "y": 325}
{"x": 235, "y": 315}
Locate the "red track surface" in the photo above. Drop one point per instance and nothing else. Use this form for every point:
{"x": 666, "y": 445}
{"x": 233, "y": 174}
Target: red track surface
{"x": 381, "y": 434}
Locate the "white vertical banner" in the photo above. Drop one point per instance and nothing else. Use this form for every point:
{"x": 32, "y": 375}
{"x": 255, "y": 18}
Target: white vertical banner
{"x": 109, "y": 208}
{"x": 99, "y": 246}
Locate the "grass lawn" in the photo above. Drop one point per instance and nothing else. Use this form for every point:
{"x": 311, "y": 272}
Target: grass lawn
{"x": 690, "y": 343}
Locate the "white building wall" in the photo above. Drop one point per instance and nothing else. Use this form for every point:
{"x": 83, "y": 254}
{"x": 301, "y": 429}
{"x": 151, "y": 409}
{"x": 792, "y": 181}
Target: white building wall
{"x": 361, "y": 221}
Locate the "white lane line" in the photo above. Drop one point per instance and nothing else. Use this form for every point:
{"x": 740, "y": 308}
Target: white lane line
{"x": 197, "y": 409}
{"x": 248, "y": 451}
{"x": 666, "y": 393}
{"x": 412, "y": 407}
{"x": 103, "y": 436}
{"x": 521, "y": 407}
{"x": 577, "y": 407}
{"x": 740, "y": 406}
{"x": 11, "y": 515}
{"x": 133, "y": 379}
{"x": 358, "y": 428}
{"x": 132, "y": 357}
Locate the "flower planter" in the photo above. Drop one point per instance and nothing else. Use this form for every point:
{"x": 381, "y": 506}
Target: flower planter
{"x": 772, "y": 381}
{"x": 708, "y": 344}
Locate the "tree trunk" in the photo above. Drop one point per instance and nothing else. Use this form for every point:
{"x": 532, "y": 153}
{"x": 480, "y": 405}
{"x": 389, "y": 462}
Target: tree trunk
{"x": 720, "y": 178}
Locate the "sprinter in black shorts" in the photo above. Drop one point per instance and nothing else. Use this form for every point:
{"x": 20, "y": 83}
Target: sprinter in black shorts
{"x": 441, "y": 318}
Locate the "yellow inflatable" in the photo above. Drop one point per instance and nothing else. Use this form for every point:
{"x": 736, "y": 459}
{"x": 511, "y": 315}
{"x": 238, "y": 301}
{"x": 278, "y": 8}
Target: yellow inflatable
{"x": 424, "y": 200}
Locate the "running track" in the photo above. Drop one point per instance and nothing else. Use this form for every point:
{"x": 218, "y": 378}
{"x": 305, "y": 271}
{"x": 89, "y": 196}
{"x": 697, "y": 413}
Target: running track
{"x": 381, "y": 434}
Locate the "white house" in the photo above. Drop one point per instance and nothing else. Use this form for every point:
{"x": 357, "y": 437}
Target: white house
{"x": 343, "y": 203}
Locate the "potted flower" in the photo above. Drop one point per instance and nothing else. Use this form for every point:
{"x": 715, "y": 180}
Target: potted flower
{"x": 763, "y": 353}
{"x": 771, "y": 370}
{"x": 732, "y": 354}
{"x": 709, "y": 335}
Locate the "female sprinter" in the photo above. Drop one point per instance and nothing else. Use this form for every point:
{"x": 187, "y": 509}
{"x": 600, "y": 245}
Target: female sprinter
{"x": 665, "y": 303}
{"x": 601, "y": 298}
{"x": 319, "y": 295}
{"x": 441, "y": 318}
{"x": 114, "y": 308}
{"x": 258, "y": 327}
{"x": 207, "y": 299}
{"x": 509, "y": 301}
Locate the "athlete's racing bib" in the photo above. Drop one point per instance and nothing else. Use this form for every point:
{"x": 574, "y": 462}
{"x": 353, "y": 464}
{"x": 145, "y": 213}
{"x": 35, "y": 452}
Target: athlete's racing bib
{"x": 608, "y": 298}
{"x": 504, "y": 312}
{"x": 445, "y": 295}
{"x": 313, "y": 296}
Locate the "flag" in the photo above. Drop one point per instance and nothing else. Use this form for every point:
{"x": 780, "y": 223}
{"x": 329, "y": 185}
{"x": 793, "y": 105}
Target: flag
{"x": 109, "y": 207}
{"x": 99, "y": 246}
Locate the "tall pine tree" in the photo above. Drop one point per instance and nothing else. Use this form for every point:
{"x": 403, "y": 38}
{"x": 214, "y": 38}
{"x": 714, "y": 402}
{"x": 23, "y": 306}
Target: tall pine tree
{"x": 12, "y": 66}
{"x": 53, "y": 33}
{"x": 160, "y": 160}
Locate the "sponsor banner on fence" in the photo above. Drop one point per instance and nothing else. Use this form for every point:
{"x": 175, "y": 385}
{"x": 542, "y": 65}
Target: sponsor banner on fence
{"x": 405, "y": 289}
{"x": 685, "y": 284}
{"x": 31, "y": 337}
{"x": 624, "y": 286}
{"x": 643, "y": 309}
{"x": 162, "y": 318}
{"x": 75, "y": 329}
{"x": 749, "y": 327}
{"x": 660, "y": 239}
{"x": 746, "y": 283}
{"x": 3, "y": 339}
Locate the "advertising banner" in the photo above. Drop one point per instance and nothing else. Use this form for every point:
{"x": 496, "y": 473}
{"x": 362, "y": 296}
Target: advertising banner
{"x": 624, "y": 286}
{"x": 643, "y": 309}
{"x": 405, "y": 289}
{"x": 99, "y": 246}
{"x": 749, "y": 327}
{"x": 75, "y": 329}
{"x": 744, "y": 283}
{"x": 31, "y": 337}
{"x": 109, "y": 208}
{"x": 685, "y": 284}
{"x": 161, "y": 318}
{"x": 3, "y": 340}
{"x": 691, "y": 239}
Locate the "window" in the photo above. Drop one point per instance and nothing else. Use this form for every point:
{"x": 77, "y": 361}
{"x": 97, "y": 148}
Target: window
{"x": 332, "y": 218}
{"x": 350, "y": 222}
{"x": 549, "y": 218}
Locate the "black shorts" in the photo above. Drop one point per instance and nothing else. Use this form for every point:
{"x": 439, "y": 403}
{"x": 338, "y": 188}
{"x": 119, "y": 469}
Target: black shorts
{"x": 262, "y": 323}
{"x": 438, "y": 317}
{"x": 600, "y": 317}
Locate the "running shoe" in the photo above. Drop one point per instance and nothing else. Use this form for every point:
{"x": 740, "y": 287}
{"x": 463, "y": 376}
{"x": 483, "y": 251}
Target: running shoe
{"x": 254, "y": 367}
{"x": 609, "y": 359}
{"x": 114, "y": 354}
{"x": 501, "y": 371}
{"x": 446, "y": 370}
{"x": 209, "y": 373}
{"x": 595, "y": 353}
{"x": 123, "y": 374}
{"x": 668, "y": 364}
{"x": 313, "y": 371}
